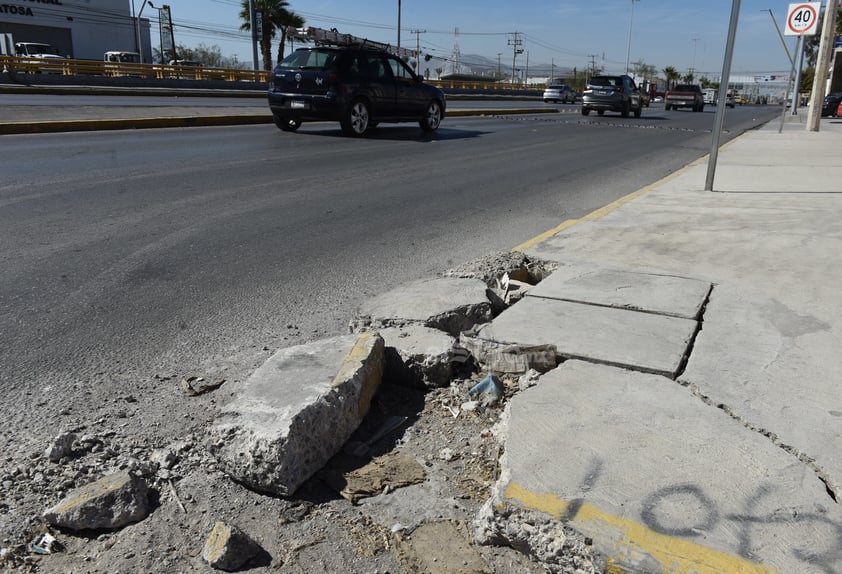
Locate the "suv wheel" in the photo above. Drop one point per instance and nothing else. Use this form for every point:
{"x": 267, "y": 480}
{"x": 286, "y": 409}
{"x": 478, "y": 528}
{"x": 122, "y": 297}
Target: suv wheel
{"x": 287, "y": 124}
{"x": 638, "y": 110}
{"x": 585, "y": 111}
{"x": 356, "y": 119}
{"x": 432, "y": 118}
{"x": 625, "y": 111}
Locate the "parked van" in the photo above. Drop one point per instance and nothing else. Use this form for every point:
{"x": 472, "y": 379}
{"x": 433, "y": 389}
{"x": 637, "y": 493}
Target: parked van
{"x": 119, "y": 63}
{"x": 122, "y": 57}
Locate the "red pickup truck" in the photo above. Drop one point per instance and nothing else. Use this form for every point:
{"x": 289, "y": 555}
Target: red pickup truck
{"x": 685, "y": 96}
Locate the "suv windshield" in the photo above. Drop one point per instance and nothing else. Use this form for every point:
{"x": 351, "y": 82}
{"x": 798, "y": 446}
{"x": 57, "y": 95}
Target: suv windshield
{"x": 306, "y": 58}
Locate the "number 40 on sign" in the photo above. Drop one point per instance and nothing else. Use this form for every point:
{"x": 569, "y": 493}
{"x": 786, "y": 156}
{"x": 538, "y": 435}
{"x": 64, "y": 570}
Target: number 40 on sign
{"x": 802, "y": 19}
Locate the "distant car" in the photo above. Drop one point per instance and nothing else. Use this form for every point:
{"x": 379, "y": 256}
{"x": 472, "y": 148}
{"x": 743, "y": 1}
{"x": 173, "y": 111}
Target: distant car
{"x": 730, "y": 101}
{"x": 559, "y": 93}
{"x": 831, "y": 104}
{"x": 358, "y": 87}
{"x": 612, "y": 93}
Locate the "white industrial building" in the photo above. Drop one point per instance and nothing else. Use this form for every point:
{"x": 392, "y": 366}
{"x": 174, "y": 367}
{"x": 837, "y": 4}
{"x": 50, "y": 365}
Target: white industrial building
{"x": 79, "y": 29}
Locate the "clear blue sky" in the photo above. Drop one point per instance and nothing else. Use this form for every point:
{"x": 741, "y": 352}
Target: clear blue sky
{"x": 680, "y": 33}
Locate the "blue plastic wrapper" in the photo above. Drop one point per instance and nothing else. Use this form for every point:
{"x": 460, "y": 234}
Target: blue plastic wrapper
{"x": 490, "y": 389}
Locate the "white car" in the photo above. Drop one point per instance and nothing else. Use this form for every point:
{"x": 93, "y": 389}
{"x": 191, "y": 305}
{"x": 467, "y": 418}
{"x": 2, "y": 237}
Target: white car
{"x": 559, "y": 93}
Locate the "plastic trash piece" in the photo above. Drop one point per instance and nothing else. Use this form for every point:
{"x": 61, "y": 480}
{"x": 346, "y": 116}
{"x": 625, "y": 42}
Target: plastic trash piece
{"x": 490, "y": 389}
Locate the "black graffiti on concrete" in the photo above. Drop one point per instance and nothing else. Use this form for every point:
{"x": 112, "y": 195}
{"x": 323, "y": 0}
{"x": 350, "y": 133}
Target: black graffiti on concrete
{"x": 678, "y": 495}
{"x": 660, "y": 512}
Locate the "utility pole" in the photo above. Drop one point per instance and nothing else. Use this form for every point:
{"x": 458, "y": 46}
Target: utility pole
{"x": 399, "y": 24}
{"x": 499, "y": 71}
{"x": 593, "y": 63}
{"x": 526, "y": 74}
{"x": 418, "y": 49}
{"x": 253, "y": 34}
{"x": 695, "y": 42}
{"x": 516, "y": 42}
{"x": 822, "y": 65}
{"x": 631, "y": 19}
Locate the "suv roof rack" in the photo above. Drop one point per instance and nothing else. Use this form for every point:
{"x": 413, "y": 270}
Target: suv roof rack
{"x": 332, "y": 37}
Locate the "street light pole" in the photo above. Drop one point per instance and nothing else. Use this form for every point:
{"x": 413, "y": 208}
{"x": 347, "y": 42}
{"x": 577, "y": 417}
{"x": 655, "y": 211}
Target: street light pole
{"x": 399, "y": 24}
{"x": 137, "y": 26}
{"x": 631, "y": 20}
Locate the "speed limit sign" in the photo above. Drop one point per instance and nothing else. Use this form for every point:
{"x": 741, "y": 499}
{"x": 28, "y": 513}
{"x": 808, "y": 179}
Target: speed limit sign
{"x": 803, "y": 19}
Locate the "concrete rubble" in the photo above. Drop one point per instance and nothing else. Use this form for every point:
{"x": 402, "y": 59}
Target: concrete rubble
{"x": 419, "y": 354}
{"x": 61, "y": 446}
{"x": 111, "y": 502}
{"x": 296, "y": 411}
{"x": 228, "y": 548}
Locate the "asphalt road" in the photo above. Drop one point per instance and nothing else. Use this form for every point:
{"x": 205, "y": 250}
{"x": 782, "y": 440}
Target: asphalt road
{"x": 177, "y": 251}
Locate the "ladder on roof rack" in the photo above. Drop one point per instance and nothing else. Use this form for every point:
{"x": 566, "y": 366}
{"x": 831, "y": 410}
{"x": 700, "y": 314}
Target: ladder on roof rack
{"x": 332, "y": 37}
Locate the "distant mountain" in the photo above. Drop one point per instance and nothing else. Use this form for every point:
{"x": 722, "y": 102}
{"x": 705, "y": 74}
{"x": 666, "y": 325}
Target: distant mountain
{"x": 481, "y": 66}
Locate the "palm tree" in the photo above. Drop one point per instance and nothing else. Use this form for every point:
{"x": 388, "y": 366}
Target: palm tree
{"x": 275, "y": 15}
{"x": 288, "y": 20}
{"x": 671, "y": 75}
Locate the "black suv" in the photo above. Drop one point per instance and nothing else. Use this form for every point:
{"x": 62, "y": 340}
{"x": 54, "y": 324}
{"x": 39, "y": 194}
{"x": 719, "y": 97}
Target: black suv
{"x": 613, "y": 93}
{"x": 358, "y": 87}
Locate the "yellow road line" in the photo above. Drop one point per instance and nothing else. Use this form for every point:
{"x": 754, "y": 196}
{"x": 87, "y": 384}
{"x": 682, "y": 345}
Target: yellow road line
{"x": 626, "y": 543}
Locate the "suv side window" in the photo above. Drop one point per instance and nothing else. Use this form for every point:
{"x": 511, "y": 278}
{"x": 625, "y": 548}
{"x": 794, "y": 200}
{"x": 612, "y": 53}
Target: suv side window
{"x": 375, "y": 68}
{"x": 401, "y": 71}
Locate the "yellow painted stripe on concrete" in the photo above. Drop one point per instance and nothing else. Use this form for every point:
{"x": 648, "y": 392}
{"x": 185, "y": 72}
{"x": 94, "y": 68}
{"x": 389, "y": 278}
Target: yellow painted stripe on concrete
{"x": 605, "y": 210}
{"x": 629, "y": 538}
{"x": 365, "y": 362}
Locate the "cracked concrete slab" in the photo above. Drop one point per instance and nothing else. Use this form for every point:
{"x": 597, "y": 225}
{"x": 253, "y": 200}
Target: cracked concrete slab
{"x": 641, "y": 341}
{"x": 785, "y": 348}
{"x": 651, "y": 292}
{"x": 450, "y": 304}
{"x": 660, "y": 480}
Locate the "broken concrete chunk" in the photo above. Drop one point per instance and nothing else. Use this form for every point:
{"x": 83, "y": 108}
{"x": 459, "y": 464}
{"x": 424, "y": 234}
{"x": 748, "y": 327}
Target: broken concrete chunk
{"x": 229, "y": 548}
{"x": 296, "y": 411}
{"x": 194, "y": 386}
{"x": 425, "y": 355}
{"x": 61, "y": 447}
{"x": 449, "y": 304}
{"x": 546, "y": 539}
{"x": 515, "y": 291}
{"x": 111, "y": 502}
{"x": 510, "y": 359}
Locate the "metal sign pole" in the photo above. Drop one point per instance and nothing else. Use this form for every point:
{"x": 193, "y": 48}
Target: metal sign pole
{"x": 723, "y": 93}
